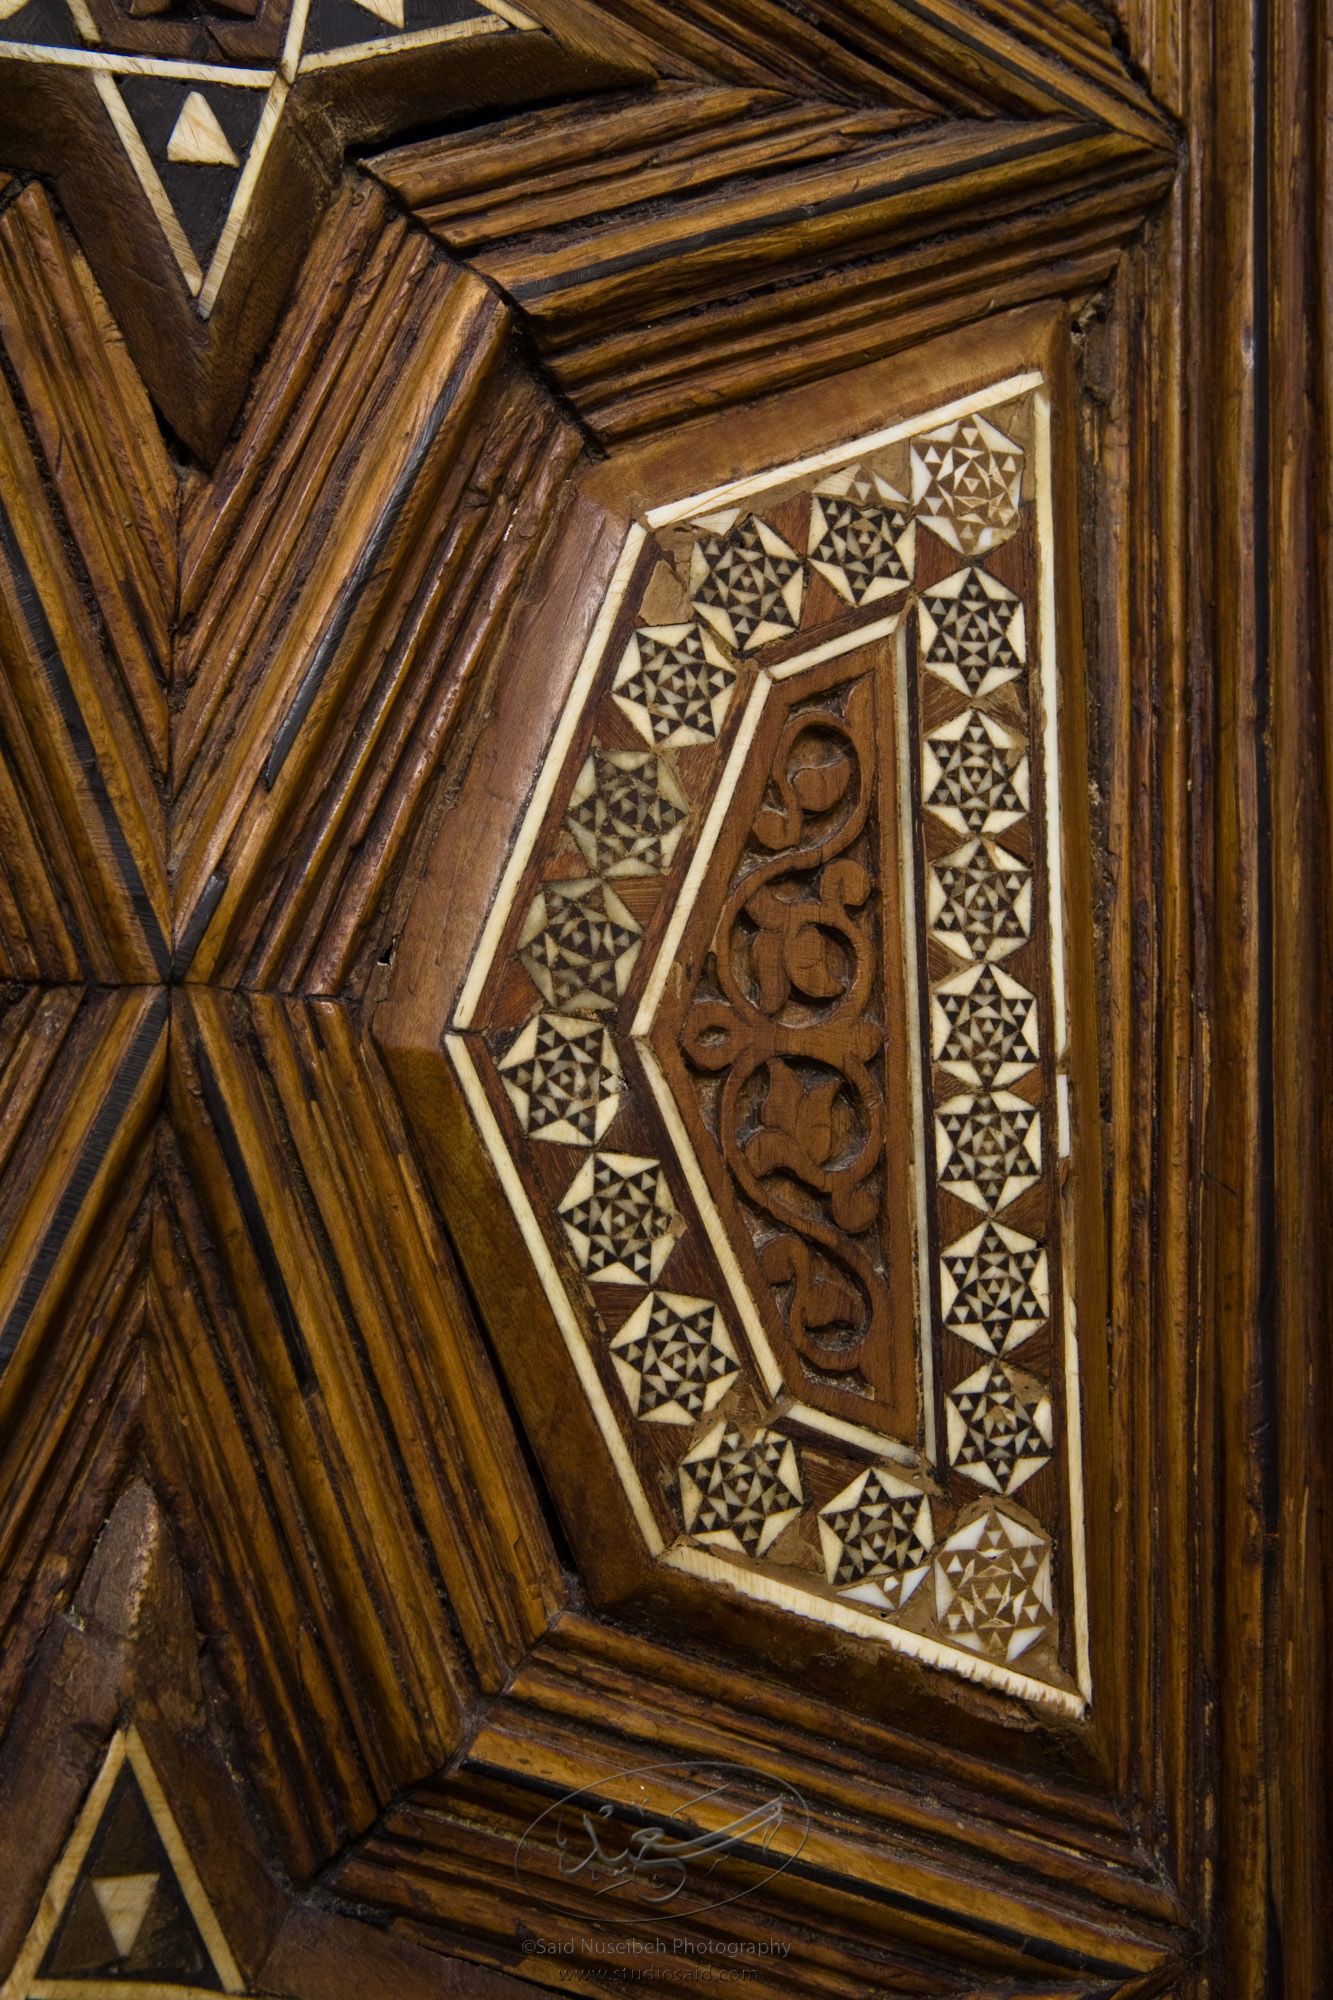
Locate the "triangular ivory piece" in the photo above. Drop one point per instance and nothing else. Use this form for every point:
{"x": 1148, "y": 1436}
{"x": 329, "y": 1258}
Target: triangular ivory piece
{"x": 123, "y": 1901}
{"x": 197, "y": 140}
{"x": 124, "y": 1863}
{"x": 390, "y": 11}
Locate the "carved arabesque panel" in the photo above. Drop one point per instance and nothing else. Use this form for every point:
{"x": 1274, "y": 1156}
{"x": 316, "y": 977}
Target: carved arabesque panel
{"x": 768, "y": 1037}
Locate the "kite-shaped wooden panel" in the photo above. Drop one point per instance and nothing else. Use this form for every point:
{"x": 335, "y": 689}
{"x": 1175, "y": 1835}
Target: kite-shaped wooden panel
{"x": 769, "y": 1033}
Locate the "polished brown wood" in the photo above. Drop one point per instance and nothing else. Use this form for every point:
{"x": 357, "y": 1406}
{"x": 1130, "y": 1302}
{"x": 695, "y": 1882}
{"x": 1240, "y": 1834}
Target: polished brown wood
{"x": 296, "y": 1476}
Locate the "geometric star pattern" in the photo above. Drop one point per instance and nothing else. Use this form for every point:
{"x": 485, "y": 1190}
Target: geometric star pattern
{"x": 974, "y": 774}
{"x": 989, "y": 1147}
{"x": 740, "y": 1494}
{"x": 747, "y": 582}
{"x": 972, "y": 632}
{"x": 993, "y": 1583}
{"x": 994, "y": 1289}
{"x": 626, "y": 812}
{"x": 674, "y": 683}
{"x": 985, "y": 1026}
{"x": 125, "y": 1897}
{"x": 620, "y": 1218}
{"x": 856, "y": 1551}
{"x": 862, "y": 540}
{"x": 563, "y": 1078}
{"x": 1000, "y": 1426}
{"x": 979, "y": 900}
{"x": 967, "y": 483}
{"x": 579, "y": 943}
{"x": 876, "y": 1537}
{"x": 197, "y": 128}
{"x": 674, "y": 1357}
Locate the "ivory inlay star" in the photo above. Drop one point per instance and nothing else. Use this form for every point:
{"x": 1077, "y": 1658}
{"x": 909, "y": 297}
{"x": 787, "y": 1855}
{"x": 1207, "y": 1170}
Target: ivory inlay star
{"x": 773, "y": 980}
{"x": 197, "y": 129}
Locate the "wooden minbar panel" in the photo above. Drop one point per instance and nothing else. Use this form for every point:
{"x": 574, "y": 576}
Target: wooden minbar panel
{"x": 660, "y": 845}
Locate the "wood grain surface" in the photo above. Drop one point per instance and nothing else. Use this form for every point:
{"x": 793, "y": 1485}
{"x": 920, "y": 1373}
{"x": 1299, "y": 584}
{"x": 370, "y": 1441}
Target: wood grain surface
{"x": 296, "y": 1476}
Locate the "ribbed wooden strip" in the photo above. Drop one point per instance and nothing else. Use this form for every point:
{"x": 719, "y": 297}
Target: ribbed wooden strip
{"x": 61, "y": 1468}
{"x": 35, "y": 933}
{"x": 1048, "y": 1830}
{"x": 289, "y": 683}
{"x": 101, "y": 1312}
{"x": 568, "y": 164}
{"x": 884, "y": 193}
{"x": 766, "y": 43}
{"x": 447, "y": 1883}
{"x": 448, "y": 1424}
{"x": 262, "y": 1581}
{"x": 987, "y": 58}
{"x": 74, "y": 745}
{"x": 358, "y": 285}
{"x": 396, "y": 655}
{"x": 433, "y": 737}
{"x": 1062, "y": 27}
{"x": 465, "y": 554}
{"x": 94, "y": 1104}
{"x": 274, "y": 551}
{"x": 880, "y": 308}
{"x": 372, "y": 1255}
{"x": 34, "y": 1027}
{"x": 600, "y": 1659}
{"x": 291, "y": 1294}
{"x": 448, "y": 1869}
{"x": 1015, "y": 56}
{"x": 900, "y": 285}
{"x": 56, "y": 917}
{"x": 327, "y": 303}
{"x": 101, "y": 450}
{"x": 844, "y": 1888}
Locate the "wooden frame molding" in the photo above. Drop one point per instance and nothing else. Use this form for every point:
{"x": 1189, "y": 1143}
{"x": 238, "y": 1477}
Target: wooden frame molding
{"x": 320, "y": 1512}
{"x": 716, "y": 720}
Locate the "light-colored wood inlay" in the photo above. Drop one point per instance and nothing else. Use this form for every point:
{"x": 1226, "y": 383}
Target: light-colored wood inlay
{"x": 768, "y": 1588}
{"x": 197, "y": 140}
{"x": 712, "y": 1222}
{"x": 122, "y": 65}
{"x": 556, "y": 1295}
{"x": 833, "y": 649}
{"x": 801, "y": 468}
{"x": 488, "y": 943}
{"x": 709, "y": 836}
{"x": 919, "y": 1057}
{"x": 457, "y": 31}
{"x": 128, "y": 133}
{"x": 126, "y": 1746}
{"x": 245, "y": 187}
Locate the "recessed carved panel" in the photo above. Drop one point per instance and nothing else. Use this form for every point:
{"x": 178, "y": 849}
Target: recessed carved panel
{"x": 768, "y": 1036}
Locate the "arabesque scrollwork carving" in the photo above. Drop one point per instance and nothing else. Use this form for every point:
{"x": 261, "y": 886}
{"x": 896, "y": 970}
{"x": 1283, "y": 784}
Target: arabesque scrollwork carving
{"x": 794, "y": 1031}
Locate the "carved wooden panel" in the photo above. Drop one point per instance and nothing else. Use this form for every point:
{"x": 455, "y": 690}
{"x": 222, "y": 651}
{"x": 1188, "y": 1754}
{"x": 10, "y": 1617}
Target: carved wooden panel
{"x": 767, "y": 1031}
{"x": 663, "y": 982}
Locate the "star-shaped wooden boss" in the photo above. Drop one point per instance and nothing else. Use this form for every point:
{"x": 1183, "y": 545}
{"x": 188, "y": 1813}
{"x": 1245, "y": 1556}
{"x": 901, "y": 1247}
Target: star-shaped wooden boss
{"x": 194, "y": 142}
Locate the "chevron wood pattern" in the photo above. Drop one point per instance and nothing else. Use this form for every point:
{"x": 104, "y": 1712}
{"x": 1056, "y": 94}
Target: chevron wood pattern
{"x": 272, "y": 1489}
{"x": 615, "y": 291}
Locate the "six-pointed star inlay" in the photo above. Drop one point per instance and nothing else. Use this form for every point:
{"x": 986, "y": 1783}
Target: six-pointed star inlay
{"x": 193, "y": 92}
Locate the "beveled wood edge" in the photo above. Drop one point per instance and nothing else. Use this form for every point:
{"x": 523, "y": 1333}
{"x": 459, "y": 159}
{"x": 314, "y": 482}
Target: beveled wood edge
{"x": 438, "y": 960}
{"x": 1295, "y": 737}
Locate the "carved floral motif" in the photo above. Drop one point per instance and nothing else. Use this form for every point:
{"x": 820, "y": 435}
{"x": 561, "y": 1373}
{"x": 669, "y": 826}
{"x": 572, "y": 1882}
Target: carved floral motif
{"x": 794, "y": 1037}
